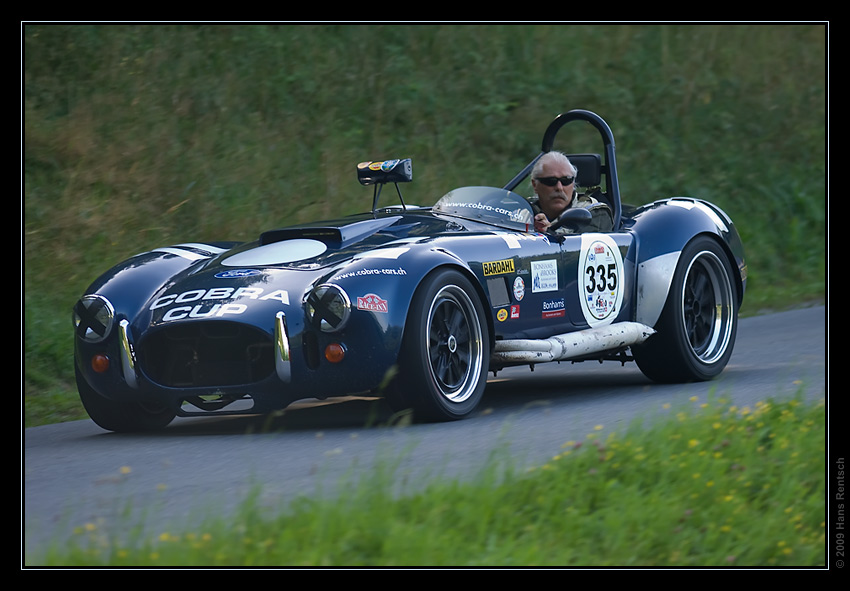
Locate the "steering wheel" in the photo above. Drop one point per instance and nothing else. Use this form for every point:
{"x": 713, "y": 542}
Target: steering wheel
{"x": 573, "y": 218}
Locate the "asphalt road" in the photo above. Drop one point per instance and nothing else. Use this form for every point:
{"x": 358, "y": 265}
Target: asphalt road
{"x": 75, "y": 473}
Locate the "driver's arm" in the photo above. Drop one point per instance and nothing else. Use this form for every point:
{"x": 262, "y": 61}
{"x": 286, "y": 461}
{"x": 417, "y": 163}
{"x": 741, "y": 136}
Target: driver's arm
{"x": 541, "y": 222}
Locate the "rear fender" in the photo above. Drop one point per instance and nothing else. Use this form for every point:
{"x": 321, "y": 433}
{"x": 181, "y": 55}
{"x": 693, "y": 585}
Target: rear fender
{"x": 662, "y": 230}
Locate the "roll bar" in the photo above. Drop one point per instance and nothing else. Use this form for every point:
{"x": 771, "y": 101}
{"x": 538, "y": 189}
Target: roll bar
{"x": 609, "y": 166}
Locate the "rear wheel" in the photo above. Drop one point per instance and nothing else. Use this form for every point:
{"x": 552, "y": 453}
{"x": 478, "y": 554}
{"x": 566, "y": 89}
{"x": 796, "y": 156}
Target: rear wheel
{"x": 445, "y": 351}
{"x": 120, "y": 416}
{"x": 697, "y": 328}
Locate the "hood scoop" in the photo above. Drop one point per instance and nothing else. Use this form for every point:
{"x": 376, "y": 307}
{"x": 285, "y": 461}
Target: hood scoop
{"x": 332, "y": 236}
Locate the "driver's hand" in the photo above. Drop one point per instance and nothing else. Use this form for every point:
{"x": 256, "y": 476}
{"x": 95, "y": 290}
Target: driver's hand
{"x": 541, "y": 222}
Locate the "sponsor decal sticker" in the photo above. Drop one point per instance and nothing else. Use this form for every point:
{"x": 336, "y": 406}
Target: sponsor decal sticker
{"x": 235, "y": 273}
{"x": 371, "y": 272}
{"x": 502, "y": 315}
{"x": 216, "y": 301}
{"x": 519, "y": 289}
{"x": 220, "y": 293}
{"x": 372, "y": 303}
{"x": 554, "y": 308}
{"x": 498, "y": 267}
{"x": 544, "y": 276}
{"x": 519, "y": 215}
{"x": 600, "y": 279}
{"x": 514, "y": 312}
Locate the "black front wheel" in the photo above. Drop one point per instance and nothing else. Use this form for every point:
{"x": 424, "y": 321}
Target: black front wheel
{"x": 121, "y": 416}
{"x": 445, "y": 351}
{"x": 697, "y": 328}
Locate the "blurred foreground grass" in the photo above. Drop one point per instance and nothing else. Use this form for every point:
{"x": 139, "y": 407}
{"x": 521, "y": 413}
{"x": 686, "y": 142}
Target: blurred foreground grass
{"x": 710, "y": 485}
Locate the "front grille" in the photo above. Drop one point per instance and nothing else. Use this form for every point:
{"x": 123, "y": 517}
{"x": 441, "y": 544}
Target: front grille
{"x": 204, "y": 354}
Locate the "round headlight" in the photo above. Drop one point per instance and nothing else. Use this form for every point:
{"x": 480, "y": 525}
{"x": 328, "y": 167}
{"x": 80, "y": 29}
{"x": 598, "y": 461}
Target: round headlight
{"x": 328, "y": 307}
{"x": 93, "y": 318}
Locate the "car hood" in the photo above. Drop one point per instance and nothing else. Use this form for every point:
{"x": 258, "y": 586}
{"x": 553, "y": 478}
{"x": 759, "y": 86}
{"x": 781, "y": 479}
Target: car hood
{"x": 327, "y": 244}
{"x": 324, "y": 244}
{"x": 280, "y": 268}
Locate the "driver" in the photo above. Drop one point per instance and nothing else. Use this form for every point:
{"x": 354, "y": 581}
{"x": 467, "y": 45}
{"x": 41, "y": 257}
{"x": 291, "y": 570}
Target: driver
{"x": 553, "y": 180}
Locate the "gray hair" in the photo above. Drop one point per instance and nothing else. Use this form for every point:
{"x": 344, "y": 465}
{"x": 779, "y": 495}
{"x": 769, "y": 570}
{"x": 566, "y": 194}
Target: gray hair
{"x": 552, "y": 157}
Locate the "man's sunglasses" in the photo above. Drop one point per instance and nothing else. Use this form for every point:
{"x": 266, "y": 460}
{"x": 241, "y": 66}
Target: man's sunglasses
{"x": 551, "y": 181}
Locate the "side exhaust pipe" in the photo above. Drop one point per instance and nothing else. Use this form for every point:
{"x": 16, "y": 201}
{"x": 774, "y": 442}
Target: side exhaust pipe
{"x": 572, "y": 345}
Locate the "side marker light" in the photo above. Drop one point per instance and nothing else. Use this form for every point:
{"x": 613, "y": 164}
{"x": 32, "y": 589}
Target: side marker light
{"x": 100, "y": 363}
{"x": 335, "y": 352}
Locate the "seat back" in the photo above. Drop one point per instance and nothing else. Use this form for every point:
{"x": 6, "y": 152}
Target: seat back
{"x": 589, "y": 169}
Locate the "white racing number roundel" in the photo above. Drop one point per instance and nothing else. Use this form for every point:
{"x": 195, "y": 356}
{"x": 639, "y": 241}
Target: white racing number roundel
{"x": 600, "y": 277}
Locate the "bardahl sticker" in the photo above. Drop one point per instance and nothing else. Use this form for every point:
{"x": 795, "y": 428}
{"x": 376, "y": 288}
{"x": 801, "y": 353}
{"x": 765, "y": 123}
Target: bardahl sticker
{"x": 498, "y": 267}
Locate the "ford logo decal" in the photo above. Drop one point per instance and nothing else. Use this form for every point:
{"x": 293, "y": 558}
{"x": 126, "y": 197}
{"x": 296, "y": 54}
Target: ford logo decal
{"x": 237, "y": 273}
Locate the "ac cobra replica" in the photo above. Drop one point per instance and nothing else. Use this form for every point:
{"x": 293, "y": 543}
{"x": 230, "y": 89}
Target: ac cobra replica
{"x": 416, "y": 304}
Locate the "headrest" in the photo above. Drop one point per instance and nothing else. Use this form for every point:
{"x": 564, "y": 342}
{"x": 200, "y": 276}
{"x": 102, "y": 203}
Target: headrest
{"x": 589, "y": 169}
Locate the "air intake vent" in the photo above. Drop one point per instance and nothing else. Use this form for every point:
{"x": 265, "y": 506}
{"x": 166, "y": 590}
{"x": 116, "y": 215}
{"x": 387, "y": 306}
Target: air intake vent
{"x": 204, "y": 354}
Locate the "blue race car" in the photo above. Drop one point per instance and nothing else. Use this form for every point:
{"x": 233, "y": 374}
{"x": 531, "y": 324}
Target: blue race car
{"x": 416, "y": 304}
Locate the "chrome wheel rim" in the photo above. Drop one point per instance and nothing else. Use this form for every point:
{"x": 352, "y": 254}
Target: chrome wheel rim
{"x": 707, "y": 307}
{"x": 455, "y": 344}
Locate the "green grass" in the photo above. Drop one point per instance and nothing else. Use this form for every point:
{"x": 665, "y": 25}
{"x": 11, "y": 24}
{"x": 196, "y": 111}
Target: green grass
{"x": 709, "y": 485}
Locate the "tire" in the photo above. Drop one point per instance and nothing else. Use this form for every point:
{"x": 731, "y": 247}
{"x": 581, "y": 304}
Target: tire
{"x": 697, "y": 328}
{"x": 122, "y": 417}
{"x": 445, "y": 351}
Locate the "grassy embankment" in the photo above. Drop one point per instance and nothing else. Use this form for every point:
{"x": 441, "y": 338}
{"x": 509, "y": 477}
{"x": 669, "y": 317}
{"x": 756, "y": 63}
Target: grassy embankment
{"x": 143, "y": 136}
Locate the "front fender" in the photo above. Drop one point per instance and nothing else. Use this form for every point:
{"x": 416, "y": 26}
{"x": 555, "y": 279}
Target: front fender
{"x": 662, "y": 230}
{"x": 131, "y": 283}
{"x": 382, "y": 282}
{"x": 102, "y": 316}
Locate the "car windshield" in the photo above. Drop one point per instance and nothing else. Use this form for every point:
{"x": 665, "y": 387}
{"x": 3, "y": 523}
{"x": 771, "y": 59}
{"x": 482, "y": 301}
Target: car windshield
{"x": 489, "y": 205}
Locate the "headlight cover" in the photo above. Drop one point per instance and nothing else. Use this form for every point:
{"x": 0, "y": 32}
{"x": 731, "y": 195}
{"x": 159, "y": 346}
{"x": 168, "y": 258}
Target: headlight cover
{"x": 93, "y": 318}
{"x": 328, "y": 307}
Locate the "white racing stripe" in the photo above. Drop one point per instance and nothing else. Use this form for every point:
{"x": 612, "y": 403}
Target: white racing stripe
{"x": 191, "y": 251}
